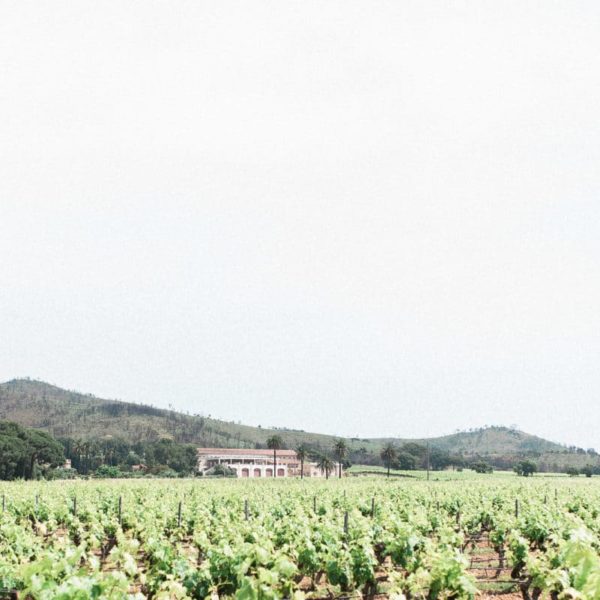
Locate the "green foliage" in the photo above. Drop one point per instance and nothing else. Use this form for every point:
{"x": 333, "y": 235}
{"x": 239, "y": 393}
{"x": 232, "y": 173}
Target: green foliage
{"x": 481, "y": 467}
{"x": 410, "y": 546}
{"x": 105, "y": 471}
{"x": 221, "y": 471}
{"x": 24, "y": 453}
{"x": 388, "y": 455}
{"x": 325, "y": 464}
{"x": 525, "y": 468}
{"x": 405, "y": 461}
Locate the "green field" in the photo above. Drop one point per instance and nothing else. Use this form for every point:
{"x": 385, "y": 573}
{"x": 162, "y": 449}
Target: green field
{"x": 446, "y": 475}
{"x": 301, "y": 539}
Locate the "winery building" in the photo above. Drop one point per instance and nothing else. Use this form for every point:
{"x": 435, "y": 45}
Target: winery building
{"x": 255, "y": 463}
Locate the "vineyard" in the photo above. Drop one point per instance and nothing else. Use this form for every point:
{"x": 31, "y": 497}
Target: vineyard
{"x": 354, "y": 538}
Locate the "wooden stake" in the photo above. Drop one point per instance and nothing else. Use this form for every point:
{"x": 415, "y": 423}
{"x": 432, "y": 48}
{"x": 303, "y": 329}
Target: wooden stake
{"x": 373, "y": 506}
{"x": 246, "y": 515}
{"x": 346, "y": 523}
{"x": 517, "y": 508}
{"x": 74, "y": 505}
{"x": 120, "y": 509}
{"x": 179, "y": 514}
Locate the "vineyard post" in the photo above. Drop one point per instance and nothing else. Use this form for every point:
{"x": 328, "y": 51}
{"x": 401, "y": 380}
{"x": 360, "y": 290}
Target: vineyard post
{"x": 3, "y": 502}
{"x": 346, "y": 523}
{"x": 373, "y": 506}
{"x": 556, "y": 493}
{"x": 120, "y": 509}
{"x": 546, "y": 499}
{"x": 74, "y": 505}
{"x": 246, "y": 509}
{"x": 428, "y": 461}
{"x": 314, "y": 503}
{"x": 517, "y": 508}
{"x": 458, "y": 518}
{"x": 37, "y": 500}
{"x": 179, "y": 514}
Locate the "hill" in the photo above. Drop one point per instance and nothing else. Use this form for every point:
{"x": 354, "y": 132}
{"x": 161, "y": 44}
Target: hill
{"x": 72, "y": 414}
{"x": 491, "y": 440}
{"x": 65, "y": 413}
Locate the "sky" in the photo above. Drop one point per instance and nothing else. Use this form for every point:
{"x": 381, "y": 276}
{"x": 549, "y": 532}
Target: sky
{"x": 364, "y": 218}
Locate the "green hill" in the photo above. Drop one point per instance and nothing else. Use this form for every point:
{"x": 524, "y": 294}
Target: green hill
{"x": 491, "y": 440}
{"x": 71, "y": 414}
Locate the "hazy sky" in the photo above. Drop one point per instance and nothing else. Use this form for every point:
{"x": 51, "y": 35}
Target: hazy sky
{"x": 363, "y": 218}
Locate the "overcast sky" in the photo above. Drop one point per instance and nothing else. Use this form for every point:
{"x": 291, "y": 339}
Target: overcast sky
{"x": 364, "y": 218}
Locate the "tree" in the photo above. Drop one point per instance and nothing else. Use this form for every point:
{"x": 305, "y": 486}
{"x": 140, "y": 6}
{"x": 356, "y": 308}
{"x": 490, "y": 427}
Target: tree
{"x": 23, "y": 451}
{"x": 405, "y": 462}
{"x": 588, "y": 470}
{"x": 326, "y": 465}
{"x": 12, "y": 453}
{"x": 572, "y": 471}
{"x": 302, "y": 454}
{"x": 108, "y": 472}
{"x": 341, "y": 451}
{"x": 275, "y": 443}
{"x": 43, "y": 449}
{"x": 482, "y": 467}
{"x": 525, "y": 468}
{"x": 388, "y": 455}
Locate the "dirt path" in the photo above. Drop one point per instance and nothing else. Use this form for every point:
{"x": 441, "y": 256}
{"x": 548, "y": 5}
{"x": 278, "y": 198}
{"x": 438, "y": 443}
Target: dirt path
{"x": 490, "y": 570}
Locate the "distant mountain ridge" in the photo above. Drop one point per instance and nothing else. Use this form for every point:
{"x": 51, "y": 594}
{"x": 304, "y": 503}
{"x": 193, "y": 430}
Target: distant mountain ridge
{"x": 71, "y": 414}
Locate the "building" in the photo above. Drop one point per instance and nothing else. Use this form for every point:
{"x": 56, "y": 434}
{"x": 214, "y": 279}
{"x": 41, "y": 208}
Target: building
{"x": 255, "y": 463}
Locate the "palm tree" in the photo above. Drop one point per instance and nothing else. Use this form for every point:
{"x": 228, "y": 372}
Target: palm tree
{"x": 326, "y": 464}
{"x": 341, "y": 451}
{"x": 302, "y": 454}
{"x": 388, "y": 454}
{"x": 274, "y": 443}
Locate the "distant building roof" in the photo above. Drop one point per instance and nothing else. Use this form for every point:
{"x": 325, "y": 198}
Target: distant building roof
{"x": 245, "y": 452}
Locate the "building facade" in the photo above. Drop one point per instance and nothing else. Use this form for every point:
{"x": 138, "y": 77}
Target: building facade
{"x": 248, "y": 463}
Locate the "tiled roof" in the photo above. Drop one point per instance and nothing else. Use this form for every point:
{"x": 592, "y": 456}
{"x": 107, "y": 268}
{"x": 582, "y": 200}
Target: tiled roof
{"x": 245, "y": 452}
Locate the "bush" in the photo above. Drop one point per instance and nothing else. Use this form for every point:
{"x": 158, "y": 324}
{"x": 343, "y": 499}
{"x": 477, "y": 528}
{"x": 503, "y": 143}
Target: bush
{"x": 221, "y": 471}
{"x": 167, "y": 473}
{"x": 525, "y": 468}
{"x": 106, "y": 472}
{"x": 482, "y": 467}
{"x": 62, "y": 473}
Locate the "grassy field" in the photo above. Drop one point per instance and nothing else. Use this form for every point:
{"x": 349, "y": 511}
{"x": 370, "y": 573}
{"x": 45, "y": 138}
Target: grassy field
{"x": 449, "y": 475}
